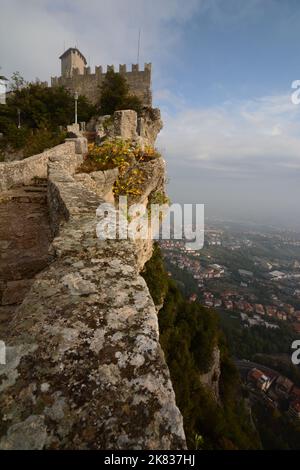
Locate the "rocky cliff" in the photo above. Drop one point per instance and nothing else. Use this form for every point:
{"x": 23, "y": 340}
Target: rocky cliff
{"x": 84, "y": 367}
{"x": 211, "y": 379}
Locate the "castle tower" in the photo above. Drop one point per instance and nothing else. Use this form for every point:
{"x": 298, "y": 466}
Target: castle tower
{"x": 72, "y": 61}
{"x": 76, "y": 76}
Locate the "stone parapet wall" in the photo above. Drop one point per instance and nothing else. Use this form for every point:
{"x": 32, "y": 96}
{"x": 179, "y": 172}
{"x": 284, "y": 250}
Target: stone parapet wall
{"x": 24, "y": 171}
{"x": 85, "y": 369}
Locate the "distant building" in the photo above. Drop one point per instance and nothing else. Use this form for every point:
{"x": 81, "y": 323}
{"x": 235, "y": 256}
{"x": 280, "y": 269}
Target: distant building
{"x": 240, "y": 305}
{"x": 275, "y": 275}
{"x": 228, "y": 304}
{"x": 259, "y": 309}
{"x": 282, "y": 316}
{"x": 289, "y": 309}
{"x": 260, "y": 379}
{"x": 248, "y": 307}
{"x": 297, "y": 315}
{"x": 283, "y": 386}
{"x": 76, "y": 75}
{"x": 271, "y": 311}
{"x": 253, "y": 322}
{"x": 193, "y": 298}
{"x": 244, "y": 273}
{"x": 272, "y": 326}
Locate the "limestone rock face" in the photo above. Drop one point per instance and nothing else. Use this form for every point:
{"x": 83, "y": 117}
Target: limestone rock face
{"x": 149, "y": 125}
{"x": 125, "y": 124}
{"x": 84, "y": 367}
{"x": 211, "y": 379}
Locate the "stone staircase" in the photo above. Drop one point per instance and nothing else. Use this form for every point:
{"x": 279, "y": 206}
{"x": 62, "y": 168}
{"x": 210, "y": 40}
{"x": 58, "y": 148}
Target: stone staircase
{"x": 25, "y": 236}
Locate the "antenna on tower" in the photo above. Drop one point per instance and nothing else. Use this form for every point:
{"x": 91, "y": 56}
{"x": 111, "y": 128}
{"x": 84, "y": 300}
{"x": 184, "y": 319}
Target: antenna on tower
{"x": 139, "y": 44}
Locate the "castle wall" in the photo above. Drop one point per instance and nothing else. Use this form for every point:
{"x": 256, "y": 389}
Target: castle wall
{"x": 89, "y": 84}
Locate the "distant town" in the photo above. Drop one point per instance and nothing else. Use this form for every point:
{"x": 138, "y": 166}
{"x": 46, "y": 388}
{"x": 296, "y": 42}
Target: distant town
{"x": 272, "y": 389}
{"x": 252, "y": 279}
{"x": 254, "y": 274}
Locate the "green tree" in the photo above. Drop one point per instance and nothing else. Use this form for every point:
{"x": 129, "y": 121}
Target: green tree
{"x": 43, "y": 107}
{"x": 42, "y": 111}
{"x": 115, "y": 95}
{"x": 17, "y": 82}
{"x": 188, "y": 334}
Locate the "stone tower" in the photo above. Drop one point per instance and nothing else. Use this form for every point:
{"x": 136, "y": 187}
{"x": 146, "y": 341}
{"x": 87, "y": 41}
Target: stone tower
{"x": 72, "y": 62}
{"x": 76, "y": 76}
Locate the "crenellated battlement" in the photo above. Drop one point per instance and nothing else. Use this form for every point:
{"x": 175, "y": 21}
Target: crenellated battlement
{"x": 99, "y": 70}
{"x": 77, "y": 76}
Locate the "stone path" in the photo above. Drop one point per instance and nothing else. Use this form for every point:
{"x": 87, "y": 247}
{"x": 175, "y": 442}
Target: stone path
{"x": 24, "y": 242}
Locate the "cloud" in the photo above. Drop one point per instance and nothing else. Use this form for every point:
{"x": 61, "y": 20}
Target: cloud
{"x": 237, "y": 138}
{"x": 238, "y": 149}
{"x": 33, "y": 33}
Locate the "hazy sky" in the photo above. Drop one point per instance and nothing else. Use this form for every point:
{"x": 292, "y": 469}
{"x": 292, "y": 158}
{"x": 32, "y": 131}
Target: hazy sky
{"x": 222, "y": 74}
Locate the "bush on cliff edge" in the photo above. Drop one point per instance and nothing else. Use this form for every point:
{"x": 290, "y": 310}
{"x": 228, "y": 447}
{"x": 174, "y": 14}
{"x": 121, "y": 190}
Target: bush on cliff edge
{"x": 188, "y": 334}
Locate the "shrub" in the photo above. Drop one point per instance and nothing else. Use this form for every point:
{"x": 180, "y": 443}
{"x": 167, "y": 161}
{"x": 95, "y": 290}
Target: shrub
{"x": 42, "y": 110}
{"x": 155, "y": 276}
{"x": 124, "y": 155}
{"x": 188, "y": 334}
{"x": 116, "y": 153}
{"x": 41, "y": 140}
{"x": 14, "y": 137}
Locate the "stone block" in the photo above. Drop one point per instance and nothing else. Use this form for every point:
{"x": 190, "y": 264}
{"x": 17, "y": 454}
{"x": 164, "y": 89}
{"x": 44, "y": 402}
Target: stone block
{"x": 125, "y": 124}
{"x": 81, "y": 145}
{"x": 74, "y": 129}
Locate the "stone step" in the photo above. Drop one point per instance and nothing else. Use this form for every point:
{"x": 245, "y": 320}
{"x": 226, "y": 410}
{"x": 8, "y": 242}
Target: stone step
{"x": 35, "y": 189}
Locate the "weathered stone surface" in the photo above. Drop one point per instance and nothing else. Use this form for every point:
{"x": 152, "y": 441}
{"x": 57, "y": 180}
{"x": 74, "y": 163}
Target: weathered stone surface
{"x": 85, "y": 367}
{"x": 97, "y": 123}
{"x": 26, "y": 435}
{"x": 25, "y": 233}
{"x": 212, "y": 377}
{"x": 100, "y": 182}
{"x": 25, "y": 237}
{"x": 81, "y": 145}
{"x": 125, "y": 124}
{"x": 24, "y": 171}
{"x": 15, "y": 291}
{"x": 149, "y": 125}
{"x": 74, "y": 129}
